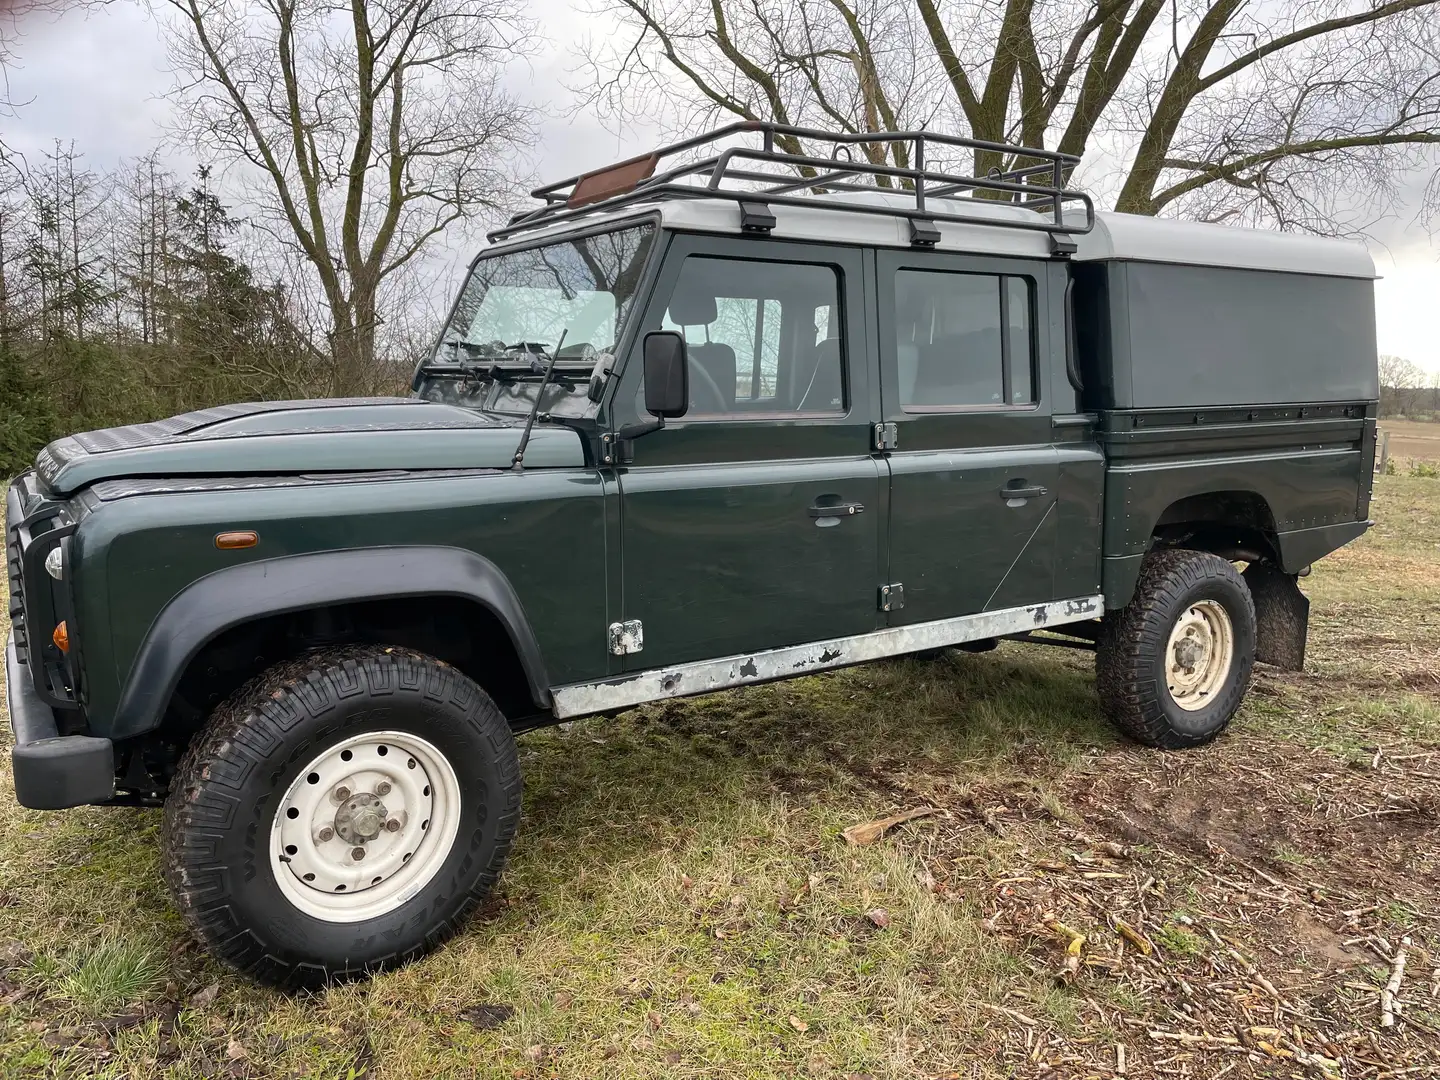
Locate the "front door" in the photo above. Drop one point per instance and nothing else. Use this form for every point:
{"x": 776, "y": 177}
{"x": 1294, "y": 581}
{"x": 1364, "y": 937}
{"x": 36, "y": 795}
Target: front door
{"x": 973, "y": 474}
{"x": 753, "y": 521}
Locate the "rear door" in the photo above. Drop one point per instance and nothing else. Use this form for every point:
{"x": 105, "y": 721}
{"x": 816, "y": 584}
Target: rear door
{"x": 753, "y": 522}
{"x": 973, "y": 471}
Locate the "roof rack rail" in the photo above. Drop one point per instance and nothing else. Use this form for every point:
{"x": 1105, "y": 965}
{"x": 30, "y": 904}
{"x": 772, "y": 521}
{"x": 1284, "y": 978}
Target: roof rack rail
{"x": 1035, "y": 179}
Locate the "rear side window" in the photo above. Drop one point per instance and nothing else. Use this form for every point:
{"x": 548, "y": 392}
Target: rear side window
{"x": 963, "y": 340}
{"x": 762, "y": 337}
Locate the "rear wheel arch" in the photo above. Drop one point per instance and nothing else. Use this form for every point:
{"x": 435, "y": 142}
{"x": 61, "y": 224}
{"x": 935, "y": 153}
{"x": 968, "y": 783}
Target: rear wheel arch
{"x": 1236, "y": 525}
{"x": 320, "y": 599}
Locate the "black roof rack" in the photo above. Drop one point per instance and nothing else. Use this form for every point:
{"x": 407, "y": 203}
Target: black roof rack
{"x": 779, "y": 171}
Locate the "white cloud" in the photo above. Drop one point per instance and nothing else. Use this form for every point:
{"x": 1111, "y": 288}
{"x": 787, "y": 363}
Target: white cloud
{"x": 1407, "y": 303}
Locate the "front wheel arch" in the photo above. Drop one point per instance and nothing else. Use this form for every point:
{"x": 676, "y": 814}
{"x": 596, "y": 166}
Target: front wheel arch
{"x": 266, "y": 588}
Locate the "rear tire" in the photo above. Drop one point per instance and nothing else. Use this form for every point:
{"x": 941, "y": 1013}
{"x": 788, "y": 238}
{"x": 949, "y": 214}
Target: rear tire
{"x": 1173, "y": 665}
{"x": 340, "y": 814}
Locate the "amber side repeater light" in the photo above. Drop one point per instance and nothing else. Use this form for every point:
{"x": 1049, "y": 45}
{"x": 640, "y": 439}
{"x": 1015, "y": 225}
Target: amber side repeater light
{"x": 61, "y": 637}
{"x": 232, "y": 541}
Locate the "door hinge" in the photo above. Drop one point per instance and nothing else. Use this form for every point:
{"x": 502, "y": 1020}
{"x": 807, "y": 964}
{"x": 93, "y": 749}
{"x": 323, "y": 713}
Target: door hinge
{"x": 616, "y": 451}
{"x": 892, "y": 597}
{"x": 626, "y": 637}
{"x": 887, "y": 436}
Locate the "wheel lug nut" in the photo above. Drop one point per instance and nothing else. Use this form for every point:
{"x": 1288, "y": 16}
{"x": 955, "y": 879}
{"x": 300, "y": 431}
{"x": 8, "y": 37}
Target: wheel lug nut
{"x": 326, "y": 834}
{"x": 393, "y": 825}
{"x": 342, "y": 793}
{"x": 382, "y": 788}
{"x": 357, "y": 853}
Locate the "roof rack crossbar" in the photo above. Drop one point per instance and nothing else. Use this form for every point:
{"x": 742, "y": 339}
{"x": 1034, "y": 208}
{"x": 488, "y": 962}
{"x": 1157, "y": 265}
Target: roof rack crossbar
{"x": 1037, "y": 185}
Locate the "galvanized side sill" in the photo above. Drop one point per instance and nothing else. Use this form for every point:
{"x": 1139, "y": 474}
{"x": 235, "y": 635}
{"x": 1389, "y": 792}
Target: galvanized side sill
{"x": 683, "y": 680}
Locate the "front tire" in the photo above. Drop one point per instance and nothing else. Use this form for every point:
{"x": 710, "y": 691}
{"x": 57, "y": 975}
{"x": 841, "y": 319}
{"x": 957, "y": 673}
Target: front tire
{"x": 340, "y": 814}
{"x": 1173, "y": 665}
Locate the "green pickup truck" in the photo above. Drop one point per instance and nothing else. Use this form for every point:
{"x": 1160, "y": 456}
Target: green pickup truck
{"x": 735, "y": 411}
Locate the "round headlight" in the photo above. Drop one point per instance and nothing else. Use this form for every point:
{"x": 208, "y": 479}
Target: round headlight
{"x": 54, "y": 564}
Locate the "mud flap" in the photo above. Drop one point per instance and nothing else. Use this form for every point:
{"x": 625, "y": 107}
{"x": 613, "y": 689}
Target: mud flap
{"x": 1282, "y": 617}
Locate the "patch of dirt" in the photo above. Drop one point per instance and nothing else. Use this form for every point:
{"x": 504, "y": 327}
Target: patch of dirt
{"x": 1235, "y": 910}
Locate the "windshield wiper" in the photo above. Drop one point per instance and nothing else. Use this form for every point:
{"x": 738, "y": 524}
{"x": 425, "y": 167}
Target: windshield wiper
{"x": 517, "y": 462}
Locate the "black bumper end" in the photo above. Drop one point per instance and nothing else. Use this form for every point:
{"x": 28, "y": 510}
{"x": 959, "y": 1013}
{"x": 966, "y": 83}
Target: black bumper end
{"x": 52, "y": 771}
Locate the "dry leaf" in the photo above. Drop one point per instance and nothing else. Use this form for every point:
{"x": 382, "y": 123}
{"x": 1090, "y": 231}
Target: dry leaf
{"x": 236, "y": 1052}
{"x": 870, "y": 831}
{"x": 798, "y": 1024}
{"x": 879, "y": 916}
{"x": 535, "y": 1053}
{"x": 205, "y": 998}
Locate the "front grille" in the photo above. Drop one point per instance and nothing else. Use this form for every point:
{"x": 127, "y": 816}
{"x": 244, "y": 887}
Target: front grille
{"x": 36, "y": 612}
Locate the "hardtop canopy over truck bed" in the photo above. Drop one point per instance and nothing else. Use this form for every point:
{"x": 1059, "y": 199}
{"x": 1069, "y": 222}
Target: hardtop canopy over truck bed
{"x": 751, "y": 415}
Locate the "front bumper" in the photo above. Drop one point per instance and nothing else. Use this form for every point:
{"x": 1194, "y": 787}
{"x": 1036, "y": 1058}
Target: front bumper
{"x": 52, "y": 771}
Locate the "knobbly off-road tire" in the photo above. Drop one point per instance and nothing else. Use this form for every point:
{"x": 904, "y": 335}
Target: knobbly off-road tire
{"x": 1135, "y": 650}
{"x": 243, "y": 766}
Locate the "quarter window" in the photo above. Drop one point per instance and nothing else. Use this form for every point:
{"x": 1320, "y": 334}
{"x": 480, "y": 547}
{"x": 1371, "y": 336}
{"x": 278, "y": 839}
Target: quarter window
{"x": 762, "y": 337}
{"x": 963, "y": 340}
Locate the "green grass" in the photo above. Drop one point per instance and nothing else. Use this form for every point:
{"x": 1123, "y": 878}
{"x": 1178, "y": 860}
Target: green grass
{"x": 108, "y": 976}
{"x": 680, "y": 890}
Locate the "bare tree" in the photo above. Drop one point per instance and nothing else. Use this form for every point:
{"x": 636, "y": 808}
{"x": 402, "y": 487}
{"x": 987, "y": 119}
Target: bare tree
{"x": 372, "y": 125}
{"x": 1301, "y": 113}
{"x": 1401, "y": 384}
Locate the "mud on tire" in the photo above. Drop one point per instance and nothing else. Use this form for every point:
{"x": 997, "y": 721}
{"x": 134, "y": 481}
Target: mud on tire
{"x": 1138, "y": 644}
{"x": 228, "y": 790}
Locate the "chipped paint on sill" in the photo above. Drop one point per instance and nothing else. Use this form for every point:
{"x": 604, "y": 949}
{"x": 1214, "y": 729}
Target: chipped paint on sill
{"x": 702, "y": 677}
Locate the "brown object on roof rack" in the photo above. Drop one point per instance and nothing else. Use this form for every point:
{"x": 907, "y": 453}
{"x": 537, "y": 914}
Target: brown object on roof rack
{"x": 611, "y": 181}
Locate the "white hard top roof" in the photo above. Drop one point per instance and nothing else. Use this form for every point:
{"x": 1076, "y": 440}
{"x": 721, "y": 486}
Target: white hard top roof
{"x": 1114, "y": 237}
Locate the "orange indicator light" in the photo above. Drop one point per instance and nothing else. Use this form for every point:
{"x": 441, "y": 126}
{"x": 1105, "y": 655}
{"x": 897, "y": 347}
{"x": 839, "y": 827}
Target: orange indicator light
{"x": 231, "y": 541}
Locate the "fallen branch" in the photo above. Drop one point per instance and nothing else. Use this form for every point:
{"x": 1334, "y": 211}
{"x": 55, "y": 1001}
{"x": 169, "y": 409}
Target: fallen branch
{"x": 1388, "y": 1005}
{"x": 1195, "y": 1040}
{"x": 1130, "y": 934}
{"x": 1028, "y": 1021}
{"x": 869, "y": 831}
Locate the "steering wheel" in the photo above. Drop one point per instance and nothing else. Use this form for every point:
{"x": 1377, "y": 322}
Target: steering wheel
{"x": 711, "y": 387}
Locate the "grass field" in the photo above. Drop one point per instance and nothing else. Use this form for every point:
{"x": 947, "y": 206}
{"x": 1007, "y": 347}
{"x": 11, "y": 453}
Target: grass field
{"x": 681, "y": 902}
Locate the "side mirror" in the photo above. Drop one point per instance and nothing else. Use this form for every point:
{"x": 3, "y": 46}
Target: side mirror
{"x": 667, "y": 375}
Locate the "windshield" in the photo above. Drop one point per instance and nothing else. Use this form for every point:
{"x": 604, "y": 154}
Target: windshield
{"x": 578, "y": 290}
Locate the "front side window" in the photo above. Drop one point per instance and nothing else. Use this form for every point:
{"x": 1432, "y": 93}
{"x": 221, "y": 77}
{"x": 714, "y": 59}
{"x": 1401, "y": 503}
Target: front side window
{"x": 963, "y": 340}
{"x": 762, "y": 337}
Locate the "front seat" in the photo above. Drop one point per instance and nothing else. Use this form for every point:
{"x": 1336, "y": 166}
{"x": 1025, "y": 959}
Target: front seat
{"x": 690, "y": 307}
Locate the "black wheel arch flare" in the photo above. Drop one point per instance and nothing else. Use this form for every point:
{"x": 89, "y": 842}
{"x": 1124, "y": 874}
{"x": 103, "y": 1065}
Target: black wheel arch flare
{"x": 239, "y": 594}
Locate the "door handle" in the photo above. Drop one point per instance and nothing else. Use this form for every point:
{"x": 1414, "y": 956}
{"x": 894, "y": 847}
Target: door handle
{"x": 837, "y": 510}
{"x": 1018, "y": 492}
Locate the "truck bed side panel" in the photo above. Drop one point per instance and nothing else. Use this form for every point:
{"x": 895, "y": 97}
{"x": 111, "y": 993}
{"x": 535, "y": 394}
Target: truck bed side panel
{"x": 1310, "y": 464}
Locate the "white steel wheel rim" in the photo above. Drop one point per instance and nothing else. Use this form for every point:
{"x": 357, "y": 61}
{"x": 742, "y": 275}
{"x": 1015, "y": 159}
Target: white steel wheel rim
{"x": 1199, "y": 654}
{"x": 365, "y": 826}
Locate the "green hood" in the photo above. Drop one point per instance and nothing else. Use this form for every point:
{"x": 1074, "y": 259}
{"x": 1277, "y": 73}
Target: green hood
{"x": 294, "y": 437}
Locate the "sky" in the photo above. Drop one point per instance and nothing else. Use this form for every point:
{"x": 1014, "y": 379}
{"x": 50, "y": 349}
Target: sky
{"x": 100, "y": 78}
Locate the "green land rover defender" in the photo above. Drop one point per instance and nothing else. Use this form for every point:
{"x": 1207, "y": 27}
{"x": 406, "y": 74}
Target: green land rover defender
{"x": 722, "y": 414}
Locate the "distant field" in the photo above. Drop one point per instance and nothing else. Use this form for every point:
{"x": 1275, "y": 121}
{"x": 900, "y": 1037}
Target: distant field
{"x": 681, "y": 904}
{"x": 1413, "y": 439}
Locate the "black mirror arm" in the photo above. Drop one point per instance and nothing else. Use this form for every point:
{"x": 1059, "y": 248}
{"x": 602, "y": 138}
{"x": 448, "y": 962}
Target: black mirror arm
{"x": 643, "y": 427}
